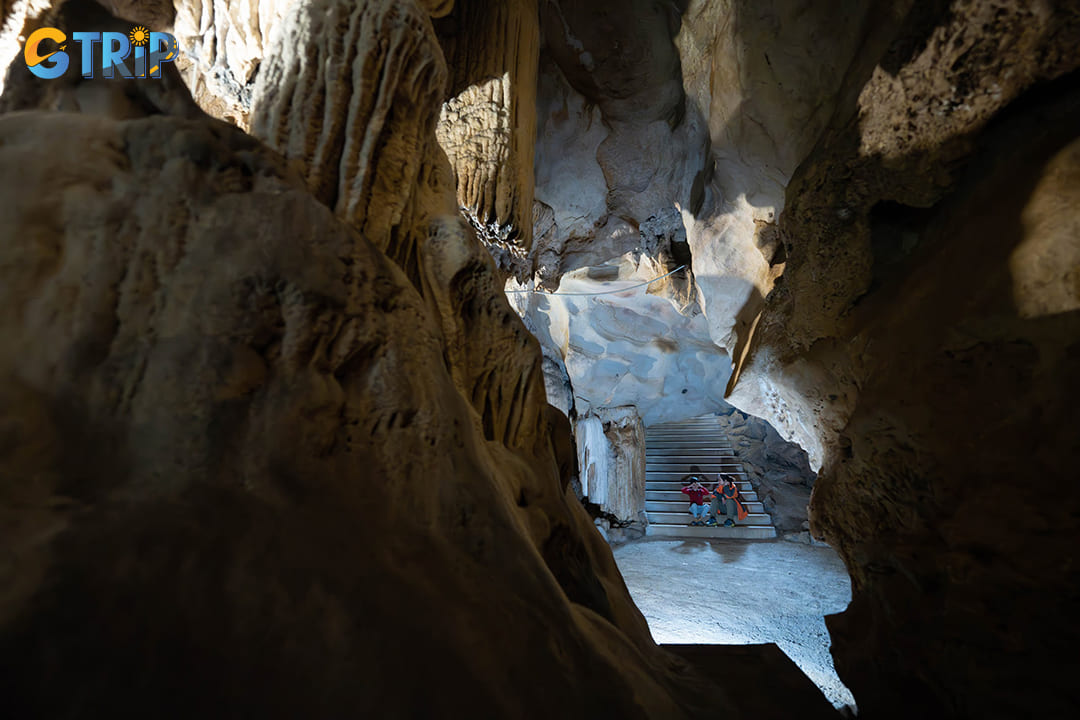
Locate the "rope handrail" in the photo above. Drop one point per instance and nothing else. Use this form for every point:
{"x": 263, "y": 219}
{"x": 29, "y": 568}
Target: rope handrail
{"x": 604, "y": 292}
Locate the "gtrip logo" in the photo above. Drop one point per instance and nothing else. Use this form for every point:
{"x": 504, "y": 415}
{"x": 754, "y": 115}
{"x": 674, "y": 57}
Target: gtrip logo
{"x": 45, "y": 54}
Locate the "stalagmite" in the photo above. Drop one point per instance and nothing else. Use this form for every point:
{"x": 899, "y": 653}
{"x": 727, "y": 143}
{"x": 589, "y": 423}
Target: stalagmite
{"x": 593, "y": 454}
{"x": 273, "y": 441}
{"x": 488, "y": 123}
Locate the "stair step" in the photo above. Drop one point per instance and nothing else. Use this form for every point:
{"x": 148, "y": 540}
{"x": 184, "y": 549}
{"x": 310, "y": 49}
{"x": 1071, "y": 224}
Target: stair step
{"x": 677, "y": 473}
{"x": 676, "y": 427}
{"x": 683, "y": 452}
{"x": 675, "y": 496}
{"x": 694, "y": 459}
{"x": 670, "y": 450}
{"x": 707, "y": 420}
{"x": 677, "y": 477}
{"x": 687, "y": 429}
{"x": 666, "y": 494}
{"x": 653, "y": 444}
{"x": 682, "y": 449}
{"x": 684, "y": 467}
{"x": 703, "y": 466}
{"x": 739, "y": 532}
{"x": 656, "y": 440}
{"x": 686, "y": 461}
{"x": 674, "y": 518}
{"x": 684, "y": 456}
{"x": 688, "y": 432}
{"x": 699, "y": 435}
{"x": 652, "y": 483}
{"x": 680, "y": 506}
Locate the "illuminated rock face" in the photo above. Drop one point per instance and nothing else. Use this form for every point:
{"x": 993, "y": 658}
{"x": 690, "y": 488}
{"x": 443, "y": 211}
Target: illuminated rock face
{"x": 273, "y": 434}
{"x": 611, "y": 458}
{"x": 272, "y": 424}
{"x": 965, "y": 389}
{"x": 883, "y": 243}
{"x": 629, "y": 348}
{"x": 488, "y": 123}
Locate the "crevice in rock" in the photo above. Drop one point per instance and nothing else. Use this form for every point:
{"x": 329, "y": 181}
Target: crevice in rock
{"x": 896, "y": 231}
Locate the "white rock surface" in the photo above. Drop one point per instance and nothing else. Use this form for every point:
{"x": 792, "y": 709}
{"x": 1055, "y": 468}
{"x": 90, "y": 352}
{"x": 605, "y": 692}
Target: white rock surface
{"x": 569, "y": 181}
{"x": 760, "y": 87}
{"x": 593, "y": 454}
{"x": 631, "y": 347}
{"x": 222, "y": 44}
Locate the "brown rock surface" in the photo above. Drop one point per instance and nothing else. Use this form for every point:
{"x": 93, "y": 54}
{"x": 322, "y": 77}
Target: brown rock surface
{"x": 252, "y": 465}
{"x": 488, "y": 122}
{"x": 378, "y": 166}
{"x": 779, "y": 470}
{"x": 223, "y": 43}
{"x": 954, "y": 501}
{"x": 922, "y": 342}
{"x": 221, "y": 475}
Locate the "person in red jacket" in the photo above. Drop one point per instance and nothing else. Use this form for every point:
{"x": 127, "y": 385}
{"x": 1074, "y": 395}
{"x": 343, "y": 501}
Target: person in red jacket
{"x": 698, "y": 494}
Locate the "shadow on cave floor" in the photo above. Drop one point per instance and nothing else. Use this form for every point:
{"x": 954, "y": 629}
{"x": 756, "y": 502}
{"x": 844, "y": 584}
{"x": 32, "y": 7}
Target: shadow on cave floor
{"x": 728, "y": 551}
{"x": 727, "y": 592}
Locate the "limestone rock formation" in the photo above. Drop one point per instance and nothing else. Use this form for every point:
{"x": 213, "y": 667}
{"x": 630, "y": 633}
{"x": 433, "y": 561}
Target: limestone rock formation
{"x": 229, "y": 384}
{"x": 779, "y": 470}
{"x": 629, "y": 346}
{"x": 256, "y": 462}
{"x": 488, "y": 123}
{"x": 268, "y": 422}
{"x": 611, "y": 456}
{"x": 903, "y": 348}
{"x": 881, "y": 221}
{"x": 957, "y": 451}
{"x": 223, "y": 44}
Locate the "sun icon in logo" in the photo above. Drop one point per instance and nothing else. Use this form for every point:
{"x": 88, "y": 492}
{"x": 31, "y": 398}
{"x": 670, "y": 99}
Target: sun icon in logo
{"x": 139, "y": 35}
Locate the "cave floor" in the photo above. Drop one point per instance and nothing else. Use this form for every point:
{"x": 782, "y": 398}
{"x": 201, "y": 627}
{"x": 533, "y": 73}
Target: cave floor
{"x": 735, "y": 593}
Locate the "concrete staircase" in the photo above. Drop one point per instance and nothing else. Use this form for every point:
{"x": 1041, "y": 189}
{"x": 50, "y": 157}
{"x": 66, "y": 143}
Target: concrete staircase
{"x": 670, "y": 450}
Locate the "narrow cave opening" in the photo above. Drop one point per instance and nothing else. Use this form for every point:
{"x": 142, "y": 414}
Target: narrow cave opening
{"x": 757, "y": 579}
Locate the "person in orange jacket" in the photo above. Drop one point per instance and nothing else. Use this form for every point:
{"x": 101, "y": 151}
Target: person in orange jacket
{"x": 726, "y": 500}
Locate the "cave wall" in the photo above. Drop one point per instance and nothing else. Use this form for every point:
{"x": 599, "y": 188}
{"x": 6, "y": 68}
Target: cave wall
{"x": 259, "y": 384}
{"x": 637, "y": 347}
{"x": 959, "y": 451}
{"x": 922, "y": 342}
{"x": 274, "y": 443}
{"x": 666, "y": 136}
{"x": 487, "y": 125}
{"x": 882, "y": 228}
{"x": 778, "y": 470}
{"x": 626, "y": 467}
{"x": 765, "y": 75}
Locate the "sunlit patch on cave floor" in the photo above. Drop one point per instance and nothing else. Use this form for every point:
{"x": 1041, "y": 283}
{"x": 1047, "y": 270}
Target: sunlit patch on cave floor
{"x": 726, "y": 592}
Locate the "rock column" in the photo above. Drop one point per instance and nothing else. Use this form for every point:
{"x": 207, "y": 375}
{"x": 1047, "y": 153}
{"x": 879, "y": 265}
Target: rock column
{"x": 612, "y": 454}
{"x": 488, "y": 122}
{"x": 626, "y": 487}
